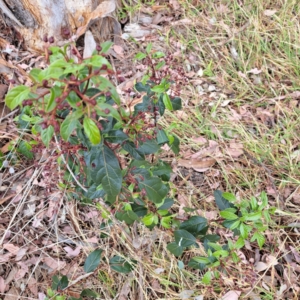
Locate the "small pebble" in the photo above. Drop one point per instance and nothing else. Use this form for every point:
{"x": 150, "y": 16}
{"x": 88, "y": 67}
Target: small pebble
{"x": 5, "y": 164}
{"x": 211, "y": 88}
{"x": 11, "y": 170}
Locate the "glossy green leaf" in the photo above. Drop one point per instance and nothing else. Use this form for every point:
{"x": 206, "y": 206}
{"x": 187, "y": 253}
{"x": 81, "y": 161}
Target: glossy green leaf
{"x": 47, "y": 135}
{"x": 175, "y": 249}
{"x": 253, "y": 216}
{"x": 50, "y": 72}
{"x": 34, "y": 74}
{"x": 174, "y": 145}
{"x": 132, "y": 150}
{"x": 259, "y": 237}
{"x": 91, "y": 130}
{"x": 127, "y": 216}
{"x": 167, "y": 203}
{"x": 167, "y": 102}
{"x": 116, "y": 136}
{"x": 221, "y": 202}
{"x": 16, "y": 96}
{"x": 149, "y": 147}
{"x": 166, "y": 222}
{"x": 195, "y": 225}
{"x": 105, "y": 110}
{"x": 26, "y": 149}
{"x": 63, "y": 283}
{"x": 228, "y": 215}
{"x": 156, "y": 190}
{"x": 89, "y": 293}
{"x": 69, "y": 124}
{"x": 92, "y": 261}
{"x": 106, "y": 46}
{"x": 120, "y": 265}
{"x": 176, "y": 103}
{"x": 199, "y": 262}
{"x": 140, "y": 56}
{"x": 206, "y": 279}
{"x": 161, "y": 137}
{"x": 105, "y": 169}
{"x": 184, "y": 238}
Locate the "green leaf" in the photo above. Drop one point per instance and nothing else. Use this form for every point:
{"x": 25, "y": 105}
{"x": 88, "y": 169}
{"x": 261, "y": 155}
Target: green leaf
{"x": 155, "y": 188}
{"x": 174, "y": 144}
{"x": 116, "y": 136}
{"x": 89, "y": 293}
{"x": 50, "y": 72}
{"x": 166, "y": 222}
{"x": 105, "y": 84}
{"x": 63, "y": 283}
{"x": 175, "y": 249}
{"x": 206, "y": 279}
{"x": 140, "y": 56}
{"x": 162, "y": 87}
{"x": 184, "y": 238}
{"x": 228, "y": 215}
{"x": 105, "y": 110}
{"x": 149, "y": 219}
{"x": 199, "y": 262}
{"x": 228, "y": 196}
{"x": 221, "y": 202}
{"x": 91, "y": 130}
{"x": 25, "y": 149}
{"x": 209, "y": 238}
{"x": 55, "y": 281}
{"x": 47, "y": 135}
{"x": 120, "y": 265}
{"x": 195, "y": 225}
{"x": 149, "y": 147}
{"x": 220, "y": 253}
{"x": 158, "y": 54}
{"x": 235, "y": 224}
{"x": 132, "y": 150}
{"x": 141, "y": 87}
{"x": 253, "y": 216}
{"x": 161, "y": 137}
{"x": 106, "y": 46}
{"x": 34, "y": 74}
{"x": 240, "y": 243}
{"x": 16, "y": 96}
{"x": 264, "y": 199}
{"x": 159, "y": 65}
{"x": 167, "y": 203}
{"x": 98, "y": 61}
{"x": 167, "y": 102}
{"x": 69, "y": 124}
{"x": 149, "y": 48}
{"x": 105, "y": 169}
{"x": 92, "y": 261}
{"x": 176, "y": 103}
{"x": 127, "y": 216}
{"x": 243, "y": 230}
{"x": 259, "y": 238}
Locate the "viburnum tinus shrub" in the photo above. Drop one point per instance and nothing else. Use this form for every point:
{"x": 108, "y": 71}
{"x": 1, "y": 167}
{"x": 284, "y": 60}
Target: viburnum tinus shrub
{"x": 109, "y": 147}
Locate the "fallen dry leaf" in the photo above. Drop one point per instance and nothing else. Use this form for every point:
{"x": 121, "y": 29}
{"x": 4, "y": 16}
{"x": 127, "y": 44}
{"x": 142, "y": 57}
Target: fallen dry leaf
{"x": 197, "y": 165}
{"x": 11, "y": 248}
{"x": 2, "y": 285}
{"x": 12, "y": 294}
{"x": 71, "y": 252}
{"x": 54, "y": 263}
{"x": 270, "y": 12}
{"x": 231, "y": 295}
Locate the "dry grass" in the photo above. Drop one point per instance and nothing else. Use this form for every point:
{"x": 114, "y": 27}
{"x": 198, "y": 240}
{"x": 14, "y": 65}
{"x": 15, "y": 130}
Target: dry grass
{"x": 248, "y": 50}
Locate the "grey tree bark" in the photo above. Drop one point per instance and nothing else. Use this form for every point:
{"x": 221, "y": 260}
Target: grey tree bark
{"x": 62, "y": 19}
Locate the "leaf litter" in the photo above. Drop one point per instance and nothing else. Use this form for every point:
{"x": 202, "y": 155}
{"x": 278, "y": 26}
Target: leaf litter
{"x": 221, "y": 146}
